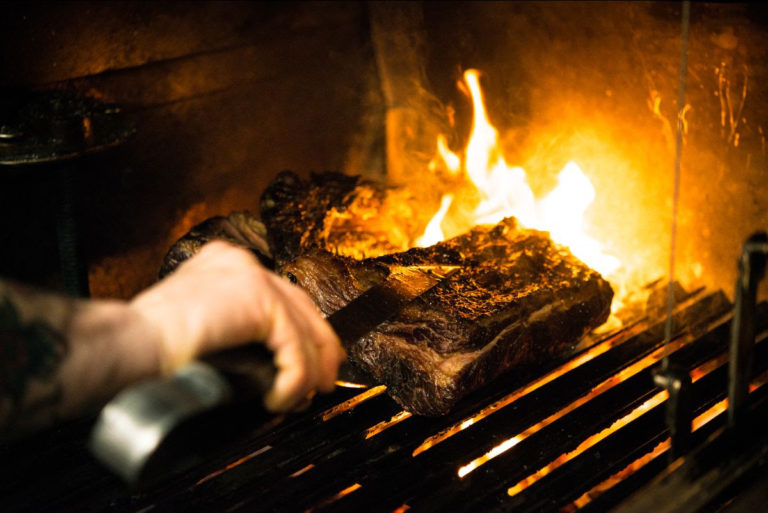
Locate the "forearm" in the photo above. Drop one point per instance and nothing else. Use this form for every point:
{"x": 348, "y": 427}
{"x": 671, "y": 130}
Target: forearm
{"x": 61, "y": 357}
{"x": 64, "y": 357}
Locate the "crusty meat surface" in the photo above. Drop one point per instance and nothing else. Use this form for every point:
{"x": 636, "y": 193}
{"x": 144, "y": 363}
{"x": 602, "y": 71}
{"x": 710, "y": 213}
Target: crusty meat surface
{"x": 239, "y": 228}
{"x": 519, "y": 298}
{"x": 343, "y": 214}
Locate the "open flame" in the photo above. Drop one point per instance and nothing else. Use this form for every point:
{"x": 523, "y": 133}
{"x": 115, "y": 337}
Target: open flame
{"x": 503, "y": 191}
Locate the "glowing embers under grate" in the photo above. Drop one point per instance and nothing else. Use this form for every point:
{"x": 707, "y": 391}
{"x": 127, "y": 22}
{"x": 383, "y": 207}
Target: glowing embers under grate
{"x": 620, "y": 377}
{"x": 698, "y": 422}
{"x": 646, "y": 406}
{"x": 565, "y": 435}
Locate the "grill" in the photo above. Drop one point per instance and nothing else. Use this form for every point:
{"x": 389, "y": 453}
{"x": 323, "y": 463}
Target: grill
{"x": 582, "y": 433}
{"x": 586, "y": 432}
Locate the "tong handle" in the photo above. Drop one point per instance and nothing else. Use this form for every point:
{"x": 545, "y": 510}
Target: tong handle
{"x": 249, "y": 369}
{"x": 159, "y": 421}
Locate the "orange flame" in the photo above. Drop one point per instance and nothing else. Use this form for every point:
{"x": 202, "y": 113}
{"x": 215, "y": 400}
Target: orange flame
{"x": 504, "y": 192}
{"x": 433, "y": 234}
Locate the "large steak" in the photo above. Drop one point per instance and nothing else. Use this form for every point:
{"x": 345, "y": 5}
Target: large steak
{"x": 518, "y": 299}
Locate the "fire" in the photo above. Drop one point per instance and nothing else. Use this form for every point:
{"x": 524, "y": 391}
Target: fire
{"x": 700, "y": 420}
{"x": 503, "y": 191}
{"x": 590, "y": 442}
{"x": 433, "y": 234}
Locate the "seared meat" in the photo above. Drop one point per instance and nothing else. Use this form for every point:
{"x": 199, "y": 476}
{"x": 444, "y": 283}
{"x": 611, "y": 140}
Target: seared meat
{"x": 519, "y": 298}
{"x": 294, "y": 210}
{"x": 239, "y": 228}
{"x": 343, "y": 214}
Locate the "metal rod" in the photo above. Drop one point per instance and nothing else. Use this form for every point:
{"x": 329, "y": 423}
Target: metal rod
{"x": 751, "y": 270}
{"x": 679, "y": 414}
{"x": 73, "y": 274}
{"x": 676, "y": 380}
{"x": 676, "y": 186}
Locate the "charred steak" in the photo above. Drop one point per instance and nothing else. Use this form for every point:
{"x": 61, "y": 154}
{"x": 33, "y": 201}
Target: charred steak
{"x": 238, "y": 228}
{"x": 343, "y": 214}
{"x": 519, "y": 298}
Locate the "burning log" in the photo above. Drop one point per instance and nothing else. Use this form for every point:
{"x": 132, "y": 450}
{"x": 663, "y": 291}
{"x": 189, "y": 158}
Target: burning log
{"x": 518, "y": 299}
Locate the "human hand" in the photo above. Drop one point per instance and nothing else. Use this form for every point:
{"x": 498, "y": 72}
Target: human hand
{"x": 223, "y": 297}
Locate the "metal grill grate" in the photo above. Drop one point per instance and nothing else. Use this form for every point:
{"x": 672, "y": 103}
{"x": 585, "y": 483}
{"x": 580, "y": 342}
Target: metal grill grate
{"x": 580, "y": 434}
{"x": 564, "y": 437}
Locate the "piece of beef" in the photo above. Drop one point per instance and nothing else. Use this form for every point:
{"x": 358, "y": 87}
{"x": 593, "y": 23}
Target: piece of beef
{"x": 343, "y": 214}
{"x": 239, "y": 228}
{"x": 294, "y": 210}
{"x": 518, "y": 299}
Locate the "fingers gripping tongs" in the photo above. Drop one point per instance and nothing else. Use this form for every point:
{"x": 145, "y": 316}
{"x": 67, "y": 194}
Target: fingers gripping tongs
{"x": 145, "y": 430}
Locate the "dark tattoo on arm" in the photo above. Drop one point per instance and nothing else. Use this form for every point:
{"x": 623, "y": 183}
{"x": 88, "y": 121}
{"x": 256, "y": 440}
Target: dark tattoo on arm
{"x": 30, "y": 351}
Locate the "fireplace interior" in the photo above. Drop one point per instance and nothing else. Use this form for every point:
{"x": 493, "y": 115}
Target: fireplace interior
{"x": 213, "y": 99}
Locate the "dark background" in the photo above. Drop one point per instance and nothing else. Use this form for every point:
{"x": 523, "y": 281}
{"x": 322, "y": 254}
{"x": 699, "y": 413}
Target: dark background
{"x": 226, "y": 94}
{"x": 223, "y": 96}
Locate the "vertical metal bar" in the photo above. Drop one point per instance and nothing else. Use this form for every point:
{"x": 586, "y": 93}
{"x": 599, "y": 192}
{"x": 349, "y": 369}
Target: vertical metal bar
{"x": 676, "y": 186}
{"x": 679, "y": 414}
{"x": 674, "y": 379}
{"x": 73, "y": 273}
{"x": 751, "y": 270}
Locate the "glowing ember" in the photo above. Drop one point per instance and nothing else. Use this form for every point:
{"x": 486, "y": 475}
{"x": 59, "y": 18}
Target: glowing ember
{"x": 503, "y": 192}
{"x": 352, "y": 403}
{"x": 303, "y": 470}
{"x": 590, "y": 442}
{"x": 619, "y": 476}
{"x": 610, "y": 382}
{"x": 330, "y": 500}
{"x": 588, "y": 355}
{"x": 234, "y": 464}
{"x": 386, "y": 424}
{"x": 591, "y": 353}
{"x": 349, "y": 384}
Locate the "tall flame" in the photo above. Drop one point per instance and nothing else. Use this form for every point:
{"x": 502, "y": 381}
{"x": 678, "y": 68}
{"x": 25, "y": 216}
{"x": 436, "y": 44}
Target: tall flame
{"x": 504, "y": 191}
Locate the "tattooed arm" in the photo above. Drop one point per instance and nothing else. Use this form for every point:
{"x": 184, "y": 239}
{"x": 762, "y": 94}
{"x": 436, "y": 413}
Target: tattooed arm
{"x": 61, "y": 357}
